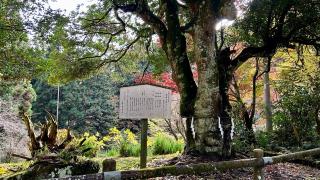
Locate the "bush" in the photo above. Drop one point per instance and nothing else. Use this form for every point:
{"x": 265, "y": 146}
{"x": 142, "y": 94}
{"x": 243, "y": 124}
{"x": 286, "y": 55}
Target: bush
{"x": 241, "y": 137}
{"x": 91, "y": 145}
{"x": 125, "y": 144}
{"x": 263, "y": 139}
{"x": 113, "y": 152}
{"x": 297, "y": 111}
{"x": 122, "y": 143}
{"x": 165, "y": 144}
{"x": 128, "y": 149}
{"x": 86, "y": 145}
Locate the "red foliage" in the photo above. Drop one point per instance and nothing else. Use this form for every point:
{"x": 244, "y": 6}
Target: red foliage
{"x": 165, "y": 79}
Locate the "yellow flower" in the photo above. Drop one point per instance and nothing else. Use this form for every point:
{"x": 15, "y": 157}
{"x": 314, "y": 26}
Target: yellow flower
{"x": 114, "y": 131}
{"x": 86, "y": 134}
{"x": 3, "y": 170}
{"x": 107, "y": 138}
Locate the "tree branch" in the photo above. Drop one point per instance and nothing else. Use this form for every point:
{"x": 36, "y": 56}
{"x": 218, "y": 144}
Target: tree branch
{"x": 100, "y": 55}
{"x": 254, "y": 87}
{"x": 123, "y": 53}
{"x": 141, "y": 9}
{"x": 248, "y": 53}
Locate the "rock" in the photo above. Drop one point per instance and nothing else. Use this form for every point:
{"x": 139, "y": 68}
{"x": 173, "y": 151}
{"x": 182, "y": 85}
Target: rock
{"x": 85, "y": 167}
{"x": 45, "y": 170}
{"x": 13, "y": 134}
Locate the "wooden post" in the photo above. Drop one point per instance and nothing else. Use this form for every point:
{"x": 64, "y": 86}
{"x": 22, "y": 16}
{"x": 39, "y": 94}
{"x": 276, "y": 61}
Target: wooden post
{"x": 108, "y": 165}
{"x": 144, "y": 139}
{"x": 258, "y": 170}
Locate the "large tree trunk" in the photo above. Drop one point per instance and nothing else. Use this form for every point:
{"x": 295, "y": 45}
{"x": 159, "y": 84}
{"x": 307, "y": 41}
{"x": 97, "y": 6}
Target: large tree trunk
{"x": 208, "y": 103}
{"x": 176, "y": 51}
{"x": 212, "y": 121}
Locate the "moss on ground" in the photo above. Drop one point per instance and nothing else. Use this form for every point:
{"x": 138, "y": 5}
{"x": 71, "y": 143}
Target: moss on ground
{"x": 123, "y": 163}
{"x": 8, "y": 169}
{"x": 128, "y": 163}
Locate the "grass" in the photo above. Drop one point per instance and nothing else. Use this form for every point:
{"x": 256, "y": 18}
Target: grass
{"x": 123, "y": 163}
{"x": 165, "y": 144}
{"x": 129, "y": 163}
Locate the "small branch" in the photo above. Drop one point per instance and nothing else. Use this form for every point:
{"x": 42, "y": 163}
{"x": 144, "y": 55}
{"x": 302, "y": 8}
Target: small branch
{"x": 21, "y": 156}
{"x": 254, "y": 87}
{"x": 98, "y": 56}
{"x": 124, "y": 52}
{"x": 144, "y": 71}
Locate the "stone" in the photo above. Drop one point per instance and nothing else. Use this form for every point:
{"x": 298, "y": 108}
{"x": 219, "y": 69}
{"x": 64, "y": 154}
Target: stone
{"x": 13, "y": 134}
{"x": 46, "y": 170}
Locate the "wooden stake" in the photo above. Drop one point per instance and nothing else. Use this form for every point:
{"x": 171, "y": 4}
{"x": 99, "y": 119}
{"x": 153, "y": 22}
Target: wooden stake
{"x": 144, "y": 139}
{"x": 258, "y": 170}
{"x": 109, "y": 165}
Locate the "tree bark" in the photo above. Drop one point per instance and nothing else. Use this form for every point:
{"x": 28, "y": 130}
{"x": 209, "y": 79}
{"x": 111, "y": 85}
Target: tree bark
{"x": 212, "y": 122}
{"x": 176, "y": 51}
{"x": 244, "y": 113}
{"x": 267, "y": 101}
{"x": 317, "y": 116}
{"x": 34, "y": 144}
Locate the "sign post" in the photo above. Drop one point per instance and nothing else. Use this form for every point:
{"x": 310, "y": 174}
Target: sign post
{"x": 142, "y": 102}
{"x": 144, "y": 140}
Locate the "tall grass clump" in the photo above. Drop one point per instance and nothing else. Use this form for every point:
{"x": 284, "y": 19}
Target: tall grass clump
{"x": 124, "y": 143}
{"x": 165, "y": 144}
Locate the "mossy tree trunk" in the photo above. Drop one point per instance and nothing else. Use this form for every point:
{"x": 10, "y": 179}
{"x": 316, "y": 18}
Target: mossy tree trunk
{"x": 212, "y": 119}
{"x": 174, "y": 44}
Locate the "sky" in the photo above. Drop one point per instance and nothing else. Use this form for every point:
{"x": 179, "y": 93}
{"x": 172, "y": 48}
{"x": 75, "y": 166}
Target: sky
{"x": 69, "y": 5}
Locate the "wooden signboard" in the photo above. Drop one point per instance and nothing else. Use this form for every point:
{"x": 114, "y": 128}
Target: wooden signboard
{"x": 145, "y": 101}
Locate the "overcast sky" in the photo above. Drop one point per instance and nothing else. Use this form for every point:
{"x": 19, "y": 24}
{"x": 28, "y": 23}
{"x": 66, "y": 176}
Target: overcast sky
{"x": 69, "y": 5}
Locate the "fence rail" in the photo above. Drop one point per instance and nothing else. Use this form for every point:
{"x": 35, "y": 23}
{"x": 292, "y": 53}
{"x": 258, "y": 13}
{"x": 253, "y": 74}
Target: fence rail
{"x": 195, "y": 169}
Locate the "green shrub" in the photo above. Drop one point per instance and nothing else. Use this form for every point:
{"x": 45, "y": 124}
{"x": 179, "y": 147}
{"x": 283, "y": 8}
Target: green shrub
{"x": 296, "y": 113}
{"x": 91, "y": 145}
{"x": 113, "y": 152}
{"x": 123, "y": 143}
{"x": 165, "y": 144}
{"x": 86, "y": 145}
{"x": 268, "y": 140}
{"x": 129, "y": 149}
{"x": 262, "y": 139}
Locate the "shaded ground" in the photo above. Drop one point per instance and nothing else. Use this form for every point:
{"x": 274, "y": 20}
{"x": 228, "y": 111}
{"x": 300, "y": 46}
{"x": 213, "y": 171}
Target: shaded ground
{"x": 281, "y": 171}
